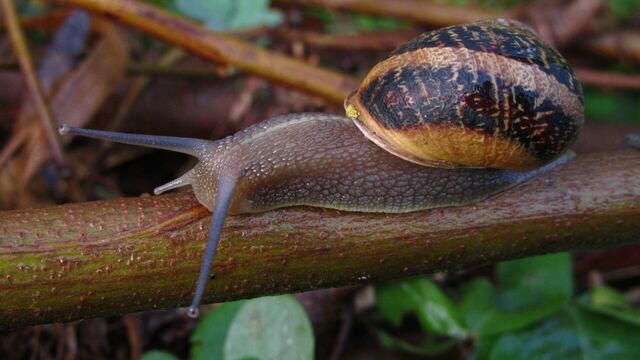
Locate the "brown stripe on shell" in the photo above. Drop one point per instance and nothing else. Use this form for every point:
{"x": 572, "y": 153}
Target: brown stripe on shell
{"x": 503, "y": 37}
{"x": 500, "y": 106}
{"x": 510, "y": 71}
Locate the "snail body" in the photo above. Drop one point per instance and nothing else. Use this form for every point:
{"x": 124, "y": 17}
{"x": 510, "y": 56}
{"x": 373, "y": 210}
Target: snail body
{"x": 325, "y": 161}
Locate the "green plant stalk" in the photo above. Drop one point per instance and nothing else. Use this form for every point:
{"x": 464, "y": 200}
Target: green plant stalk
{"x": 92, "y": 259}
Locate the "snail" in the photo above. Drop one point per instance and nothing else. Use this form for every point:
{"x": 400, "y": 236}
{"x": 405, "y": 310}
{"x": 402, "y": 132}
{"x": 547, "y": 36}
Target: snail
{"x": 450, "y": 118}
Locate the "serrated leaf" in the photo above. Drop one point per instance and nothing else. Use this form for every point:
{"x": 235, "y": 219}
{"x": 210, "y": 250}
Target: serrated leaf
{"x": 207, "y": 341}
{"x": 533, "y": 281}
{"x": 275, "y": 327}
{"x": 571, "y": 334}
{"x": 435, "y": 311}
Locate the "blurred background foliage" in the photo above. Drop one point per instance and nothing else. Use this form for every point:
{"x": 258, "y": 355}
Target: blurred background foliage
{"x": 544, "y": 307}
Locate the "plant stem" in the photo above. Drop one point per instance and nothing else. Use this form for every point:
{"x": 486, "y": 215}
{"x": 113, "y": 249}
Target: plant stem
{"x": 84, "y": 260}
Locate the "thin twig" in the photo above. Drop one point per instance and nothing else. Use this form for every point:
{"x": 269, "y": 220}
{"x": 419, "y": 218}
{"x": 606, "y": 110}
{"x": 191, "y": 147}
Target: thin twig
{"x": 140, "y": 83}
{"x": 608, "y": 80}
{"x": 372, "y": 41}
{"x": 434, "y": 13}
{"x": 223, "y": 48}
{"x": 620, "y": 45}
{"x": 23, "y": 56}
{"x": 133, "y": 334}
{"x": 143, "y": 69}
{"x": 343, "y": 335}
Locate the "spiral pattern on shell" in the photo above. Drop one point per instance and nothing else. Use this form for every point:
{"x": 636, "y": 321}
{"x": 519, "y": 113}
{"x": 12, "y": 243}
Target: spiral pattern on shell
{"x": 486, "y": 94}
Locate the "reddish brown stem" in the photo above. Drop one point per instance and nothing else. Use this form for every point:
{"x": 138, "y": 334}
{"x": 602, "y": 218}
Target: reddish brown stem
{"x": 622, "y": 44}
{"x": 111, "y": 257}
{"x": 608, "y": 79}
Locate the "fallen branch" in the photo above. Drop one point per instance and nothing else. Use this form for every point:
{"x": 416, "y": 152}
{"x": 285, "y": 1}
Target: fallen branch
{"x": 221, "y": 48}
{"x": 102, "y": 258}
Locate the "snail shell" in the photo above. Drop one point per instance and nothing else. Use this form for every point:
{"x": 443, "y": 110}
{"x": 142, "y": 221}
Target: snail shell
{"x": 487, "y": 94}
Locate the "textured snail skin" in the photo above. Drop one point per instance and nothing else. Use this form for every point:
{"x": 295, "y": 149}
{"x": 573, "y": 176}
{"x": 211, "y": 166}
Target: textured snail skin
{"x": 470, "y": 101}
{"x": 317, "y": 160}
{"x": 487, "y": 94}
{"x": 324, "y": 160}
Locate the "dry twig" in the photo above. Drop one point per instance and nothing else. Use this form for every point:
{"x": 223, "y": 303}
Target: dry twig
{"x": 48, "y": 123}
{"x": 210, "y": 45}
{"x": 608, "y": 80}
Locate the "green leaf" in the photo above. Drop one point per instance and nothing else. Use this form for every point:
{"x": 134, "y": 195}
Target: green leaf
{"x": 230, "y": 14}
{"x": 393, "y": 302}
{"x": 503, "y": 321}
{"x": 455, "y": 2}
{"x": 532, "y": 289}
{"x": 483, "y": 344}
{"x": 608, "y": 338}
{"x": 608, "y": 105}
{"x": 366, "y": 22}
{"x": 164, "y": 4}
{"x": 608, "y": 301}
{"x": 353, "y": 23}
{"x": 158, "y": 355}
{"x": 275, "y": 327}
{"x": 479, "y": 302}
{"x": 482, "y": 314}
{"x": 624, "y": 9}
{"x": 251, "y": 13}
{"x": 435, "y": 311}
{"x": 427, "y": 348}
{"x": 207, "y": 341}
{"x": 571, "y": 334}
{"x": 533, "y": 281}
